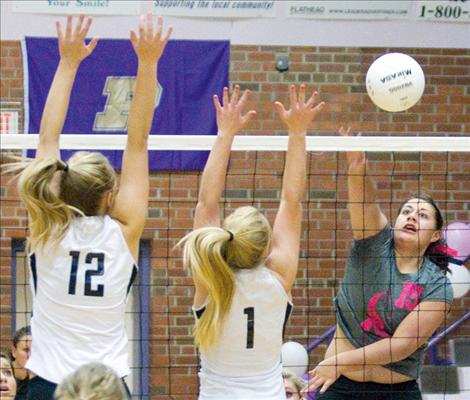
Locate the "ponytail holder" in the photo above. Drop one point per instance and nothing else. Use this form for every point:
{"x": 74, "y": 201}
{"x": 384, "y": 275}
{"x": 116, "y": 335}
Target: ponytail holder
{"x": 447, "y": 250}
{"x": 62, "y": 166}
{"x": 231, "y": 236}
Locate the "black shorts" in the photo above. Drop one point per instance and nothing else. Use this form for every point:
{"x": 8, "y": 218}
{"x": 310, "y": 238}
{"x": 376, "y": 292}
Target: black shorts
{"x": 40, "y": 389}
{"x": 348, "y": 389}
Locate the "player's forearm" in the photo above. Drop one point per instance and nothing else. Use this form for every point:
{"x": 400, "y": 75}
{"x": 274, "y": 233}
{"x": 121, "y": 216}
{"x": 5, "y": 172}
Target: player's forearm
{"x": 57, "y": 103}
{"x": 383, "y": 352}
{"x": 361, "y": 187}
{"x": 213, "y": 177}
{"x": 143, "y": 104}
{"x": 293, "y": 181}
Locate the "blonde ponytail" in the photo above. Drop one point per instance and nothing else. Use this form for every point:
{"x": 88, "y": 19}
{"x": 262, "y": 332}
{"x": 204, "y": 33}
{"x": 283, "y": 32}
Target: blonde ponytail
{"x": 54, "y": 192}
{"x": 214, "y": 254}
{"x": 49, "y": 216}
{"x": 203, "y": 253}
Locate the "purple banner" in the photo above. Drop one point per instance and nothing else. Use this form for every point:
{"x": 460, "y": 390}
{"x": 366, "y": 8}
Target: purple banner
{"x": 189, "y": 73}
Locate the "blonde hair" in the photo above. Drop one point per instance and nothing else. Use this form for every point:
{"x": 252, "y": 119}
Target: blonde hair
{"x": 12, "y": 386}
{"x": 84, "y": 180}
{"x": 93, "y": 381}
{"x": 213, "y": 254}
{"x": 298, "y": 382}
{"x": 4, "y": 354}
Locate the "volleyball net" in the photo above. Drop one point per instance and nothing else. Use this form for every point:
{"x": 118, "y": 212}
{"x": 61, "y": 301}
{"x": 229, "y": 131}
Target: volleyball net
{"x": 163, "y": 357}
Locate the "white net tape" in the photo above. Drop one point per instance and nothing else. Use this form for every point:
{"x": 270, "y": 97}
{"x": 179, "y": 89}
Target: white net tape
{"x": 244, "y": 143}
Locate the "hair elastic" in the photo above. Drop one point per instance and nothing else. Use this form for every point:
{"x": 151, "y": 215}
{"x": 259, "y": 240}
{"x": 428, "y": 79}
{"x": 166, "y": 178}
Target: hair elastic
{"x": 447, "y": 250}
{"x": 62, "y": 166}
{"x": 231, "y": 236}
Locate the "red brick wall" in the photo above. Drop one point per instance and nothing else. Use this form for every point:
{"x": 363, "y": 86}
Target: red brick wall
{"x": 338, "y": 74}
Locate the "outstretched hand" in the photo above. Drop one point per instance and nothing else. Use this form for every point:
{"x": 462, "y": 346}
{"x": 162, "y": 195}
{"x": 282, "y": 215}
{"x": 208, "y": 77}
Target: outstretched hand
{"x": 356, "y": 159}
{"x": 72, "y": 45}
{"x": 301, "y": 113}
{"x": 149, "y": 43}
{"x": 230, "y": 117}
{"x": 323, "y": 375}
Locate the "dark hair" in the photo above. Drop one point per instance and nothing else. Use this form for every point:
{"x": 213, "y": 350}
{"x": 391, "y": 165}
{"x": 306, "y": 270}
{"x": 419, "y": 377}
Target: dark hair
{"x": 20, "y": 333}
{"x": 433, "y": 252}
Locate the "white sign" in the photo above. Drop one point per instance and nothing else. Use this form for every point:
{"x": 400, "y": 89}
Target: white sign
{"x": 443, "y": 11}
{"x": 88, "y": 7}
{"x": 8, "y": 121}
{"x": 218, "y": 8}
{"x": 325, "y": 9}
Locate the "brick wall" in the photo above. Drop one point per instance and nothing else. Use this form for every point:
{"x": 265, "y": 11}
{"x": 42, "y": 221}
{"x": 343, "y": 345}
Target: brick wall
{"x": 338, "y": 74}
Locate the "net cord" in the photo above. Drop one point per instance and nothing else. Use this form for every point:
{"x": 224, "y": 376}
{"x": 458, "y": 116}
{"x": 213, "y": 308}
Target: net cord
{"x": 247, "y": 143}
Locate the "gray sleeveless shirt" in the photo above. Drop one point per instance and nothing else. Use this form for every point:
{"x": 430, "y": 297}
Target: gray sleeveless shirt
{"x": 375, "y": 296}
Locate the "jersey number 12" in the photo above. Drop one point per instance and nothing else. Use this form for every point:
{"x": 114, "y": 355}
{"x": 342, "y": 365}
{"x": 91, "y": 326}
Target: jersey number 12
{"x": 89, "y": 273}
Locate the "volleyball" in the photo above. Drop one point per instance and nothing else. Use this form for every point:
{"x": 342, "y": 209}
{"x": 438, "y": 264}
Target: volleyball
{"x": 395, "y": 82}
{"x": 459, "y": 278}
{"x": 295, "y": 357}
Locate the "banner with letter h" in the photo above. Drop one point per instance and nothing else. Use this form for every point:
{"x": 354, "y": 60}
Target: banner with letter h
{"x": 189, "y": 74}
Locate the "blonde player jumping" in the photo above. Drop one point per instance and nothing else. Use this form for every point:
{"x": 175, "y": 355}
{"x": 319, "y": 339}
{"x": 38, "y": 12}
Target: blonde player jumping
{"x": 242, "y": 272}
{"x": 84, "y": 230}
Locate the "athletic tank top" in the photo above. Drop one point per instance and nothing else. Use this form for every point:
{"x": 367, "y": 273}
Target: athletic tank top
{"x": 245, "y": 363}
{"x": 80, "y": 290}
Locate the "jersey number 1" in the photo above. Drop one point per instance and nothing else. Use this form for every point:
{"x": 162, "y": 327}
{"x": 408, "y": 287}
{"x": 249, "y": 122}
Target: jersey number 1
{"x": 250, "y": 331}
{"x": 89, "y": 273}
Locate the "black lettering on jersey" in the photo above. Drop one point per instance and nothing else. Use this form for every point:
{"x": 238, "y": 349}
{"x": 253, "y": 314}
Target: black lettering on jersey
{"x": 89, "y": 274}
{"x": 73, "y": 271}
{"x": 250, "y": 331}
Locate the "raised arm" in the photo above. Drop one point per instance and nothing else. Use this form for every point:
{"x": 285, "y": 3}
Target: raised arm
{"x": 72, "y": 50}
{"x": 130, "y": 207}
{"x": 284, "y": 255}
{"x": 411, "y": 334}
{"x": 230, "y": 120}
{"x": 367, "y": 219}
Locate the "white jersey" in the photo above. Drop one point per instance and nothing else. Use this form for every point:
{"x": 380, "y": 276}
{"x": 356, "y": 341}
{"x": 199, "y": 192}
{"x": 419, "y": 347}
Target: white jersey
{"x": 80, "y": 290}
{"x": 245, "y": 363}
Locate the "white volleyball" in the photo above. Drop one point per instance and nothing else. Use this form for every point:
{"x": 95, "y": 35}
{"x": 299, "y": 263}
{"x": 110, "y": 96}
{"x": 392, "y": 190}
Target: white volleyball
{"x": 460, "y": 279}
{"x": 295, "y": 357}
{"x": 395, "y": 82}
